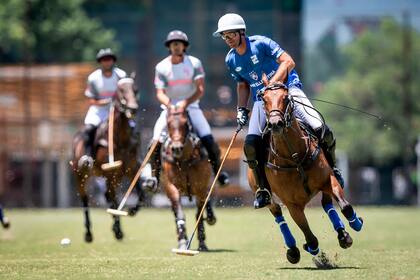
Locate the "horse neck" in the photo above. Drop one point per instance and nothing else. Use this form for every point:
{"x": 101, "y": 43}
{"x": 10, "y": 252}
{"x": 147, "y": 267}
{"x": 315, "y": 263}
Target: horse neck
{"x": 121, "y": 129}
{"x": 188, "y": 149}
{"x": 292, "y": 140}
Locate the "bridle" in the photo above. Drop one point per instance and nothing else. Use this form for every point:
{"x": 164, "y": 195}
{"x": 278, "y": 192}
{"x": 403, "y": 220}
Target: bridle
{"x": 122, "y": 104}
{"x": 286, "y": 116}
{"x": 295, "y": 162}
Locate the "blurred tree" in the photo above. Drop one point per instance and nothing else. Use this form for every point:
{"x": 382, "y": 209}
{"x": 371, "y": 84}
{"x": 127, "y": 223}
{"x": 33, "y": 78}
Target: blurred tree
{"x": 50, "y": 31}
{"x": 377, "y": 79}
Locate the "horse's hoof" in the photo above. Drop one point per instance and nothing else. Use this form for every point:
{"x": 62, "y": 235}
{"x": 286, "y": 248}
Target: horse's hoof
{"x": 344, "y": 239}
{"x": 203, "y": 247}
{"x": 85, "y": 161}
{"x": 211, "y": 220}
{"x": 293, "y": 255}
{"x": 132, "y": 211}
{"x": 311, "y": 251}
{"x": 5, "y": 223}
{"x": 88, "y": 237}
{"x": 119, "y": 235}
{"x": 182, "y": 244}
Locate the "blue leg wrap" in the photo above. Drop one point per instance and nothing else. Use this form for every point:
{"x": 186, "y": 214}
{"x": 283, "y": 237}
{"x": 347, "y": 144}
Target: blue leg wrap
{"x": 355, "y": 222}
{"x": 287, "y": 235}
{"x": 333, "y": 215}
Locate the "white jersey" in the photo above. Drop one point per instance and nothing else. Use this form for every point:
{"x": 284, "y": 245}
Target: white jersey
{"x": 101, "y": 87}
{"x": 178, "y": 80}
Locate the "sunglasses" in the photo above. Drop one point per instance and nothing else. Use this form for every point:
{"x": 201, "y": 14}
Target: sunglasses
{"x": 228, "y": 35}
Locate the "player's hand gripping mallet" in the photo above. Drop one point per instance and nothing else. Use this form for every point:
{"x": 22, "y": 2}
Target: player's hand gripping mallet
{"x": 111, "y": 164}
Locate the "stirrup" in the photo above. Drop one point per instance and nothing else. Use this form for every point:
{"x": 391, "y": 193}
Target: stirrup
{"x": 85, "y": 161}
{"x": 223, "y": 179}
{"x": 262, "y": 198}
{"x": 151, "y": 184}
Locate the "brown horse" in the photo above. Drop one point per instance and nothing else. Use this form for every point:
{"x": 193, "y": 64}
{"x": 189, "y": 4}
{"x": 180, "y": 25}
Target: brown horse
{"x": 126, "y": 145}
{"x": 296, "y": 171}
{"x": 186, "y": 170}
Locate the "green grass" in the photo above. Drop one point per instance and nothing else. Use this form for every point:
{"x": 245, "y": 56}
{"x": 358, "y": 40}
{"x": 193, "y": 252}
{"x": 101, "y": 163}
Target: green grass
{"x": 248, "y": 242}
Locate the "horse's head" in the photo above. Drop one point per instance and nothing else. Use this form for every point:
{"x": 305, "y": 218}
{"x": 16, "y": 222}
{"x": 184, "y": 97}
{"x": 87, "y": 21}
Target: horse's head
{"x": 278, "y": 107}
{"x": 126, "y": 97}
{"x": 177, "y": 129}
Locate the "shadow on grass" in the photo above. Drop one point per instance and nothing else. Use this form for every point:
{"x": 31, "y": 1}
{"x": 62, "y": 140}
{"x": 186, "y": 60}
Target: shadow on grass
{"x": 315, "y": 268}
{"x": 220, "y": 251}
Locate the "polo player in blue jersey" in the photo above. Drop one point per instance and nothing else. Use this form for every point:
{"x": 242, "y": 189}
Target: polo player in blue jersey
{"x": 249, "y": 60}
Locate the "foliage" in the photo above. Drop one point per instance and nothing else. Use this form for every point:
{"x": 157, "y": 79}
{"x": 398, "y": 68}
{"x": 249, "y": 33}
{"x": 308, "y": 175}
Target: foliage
{"x": 376, "y": 80}
{"x": 50, "y": 31}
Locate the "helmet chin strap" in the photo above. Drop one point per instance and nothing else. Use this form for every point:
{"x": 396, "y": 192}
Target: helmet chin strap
{"x": 240, "y": 36}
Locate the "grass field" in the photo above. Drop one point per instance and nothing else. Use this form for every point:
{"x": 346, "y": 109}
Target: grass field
{"x": 247, "y": 245}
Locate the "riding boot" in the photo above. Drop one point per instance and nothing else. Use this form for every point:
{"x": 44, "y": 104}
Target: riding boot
{"x": 88, "y": 133}
{"x": 327, "y": 144}
{"x": 254, "y": 153}
{"x": 213, "y": 152}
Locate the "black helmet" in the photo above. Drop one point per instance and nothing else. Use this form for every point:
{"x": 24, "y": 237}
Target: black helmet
{"x": 104, "y": 53}
{"x": 176, "y": 35}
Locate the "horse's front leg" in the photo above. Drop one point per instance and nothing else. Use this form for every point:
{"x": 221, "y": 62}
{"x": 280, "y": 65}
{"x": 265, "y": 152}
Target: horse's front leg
{"x": 298, "y": 215}
{"x": 337, "y": 192}
{"x": 174, "y": 196}
{"x": 201, "y": 234}
{"x": 211, "y": 218}
{"x": 81, "y": 181}
{"x": 293, "y": 254}
{"x": 112, "y": 182}
{"x": 344, "y": 237}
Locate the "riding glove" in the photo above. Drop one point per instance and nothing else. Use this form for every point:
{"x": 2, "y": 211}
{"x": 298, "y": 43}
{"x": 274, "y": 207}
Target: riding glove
{"x": 242, "y": 116}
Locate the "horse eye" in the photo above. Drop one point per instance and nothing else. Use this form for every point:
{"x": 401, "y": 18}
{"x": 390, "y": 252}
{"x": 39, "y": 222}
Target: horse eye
{"x": 123, "y": 102}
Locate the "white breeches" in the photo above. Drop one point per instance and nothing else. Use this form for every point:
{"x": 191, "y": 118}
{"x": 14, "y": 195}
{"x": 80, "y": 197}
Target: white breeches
{"x": 198, "y": 122}
{"x": 97, "y": 114}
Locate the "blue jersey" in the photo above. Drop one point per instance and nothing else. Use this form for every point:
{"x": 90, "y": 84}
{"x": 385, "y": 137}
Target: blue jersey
{"x": 260, "y": 57}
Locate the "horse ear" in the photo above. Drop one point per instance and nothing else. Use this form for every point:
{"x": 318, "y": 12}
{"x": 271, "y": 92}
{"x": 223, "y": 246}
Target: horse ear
{"x": 133, "y": 75}
{"x": 264, "y": 79}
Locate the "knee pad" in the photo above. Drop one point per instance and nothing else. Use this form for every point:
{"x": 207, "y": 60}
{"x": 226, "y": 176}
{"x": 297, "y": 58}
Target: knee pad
{"x": 251, "y": 148}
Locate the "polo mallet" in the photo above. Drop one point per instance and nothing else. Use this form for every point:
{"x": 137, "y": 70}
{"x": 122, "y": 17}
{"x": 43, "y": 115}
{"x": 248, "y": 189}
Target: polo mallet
{"x": 118, "y": 211}
{"x": 188, "y": 252}
{"x": 111, "y": 164}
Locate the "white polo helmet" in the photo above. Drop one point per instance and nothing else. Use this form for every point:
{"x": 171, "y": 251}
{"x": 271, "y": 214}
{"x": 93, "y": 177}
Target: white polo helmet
{"x": 229, "y": 22}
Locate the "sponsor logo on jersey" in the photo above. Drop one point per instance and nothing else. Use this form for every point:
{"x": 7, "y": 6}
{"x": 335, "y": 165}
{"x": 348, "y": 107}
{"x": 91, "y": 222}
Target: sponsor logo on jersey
{"x": 238, "y": 69}
{"x": 254, "y": 59}
{"x": 253, "y": 75}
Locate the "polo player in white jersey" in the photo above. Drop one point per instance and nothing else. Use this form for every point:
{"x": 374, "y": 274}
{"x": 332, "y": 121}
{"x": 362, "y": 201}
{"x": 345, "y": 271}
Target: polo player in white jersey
{"x": 179, "y": 81}
{"x": 101, "y": 88}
